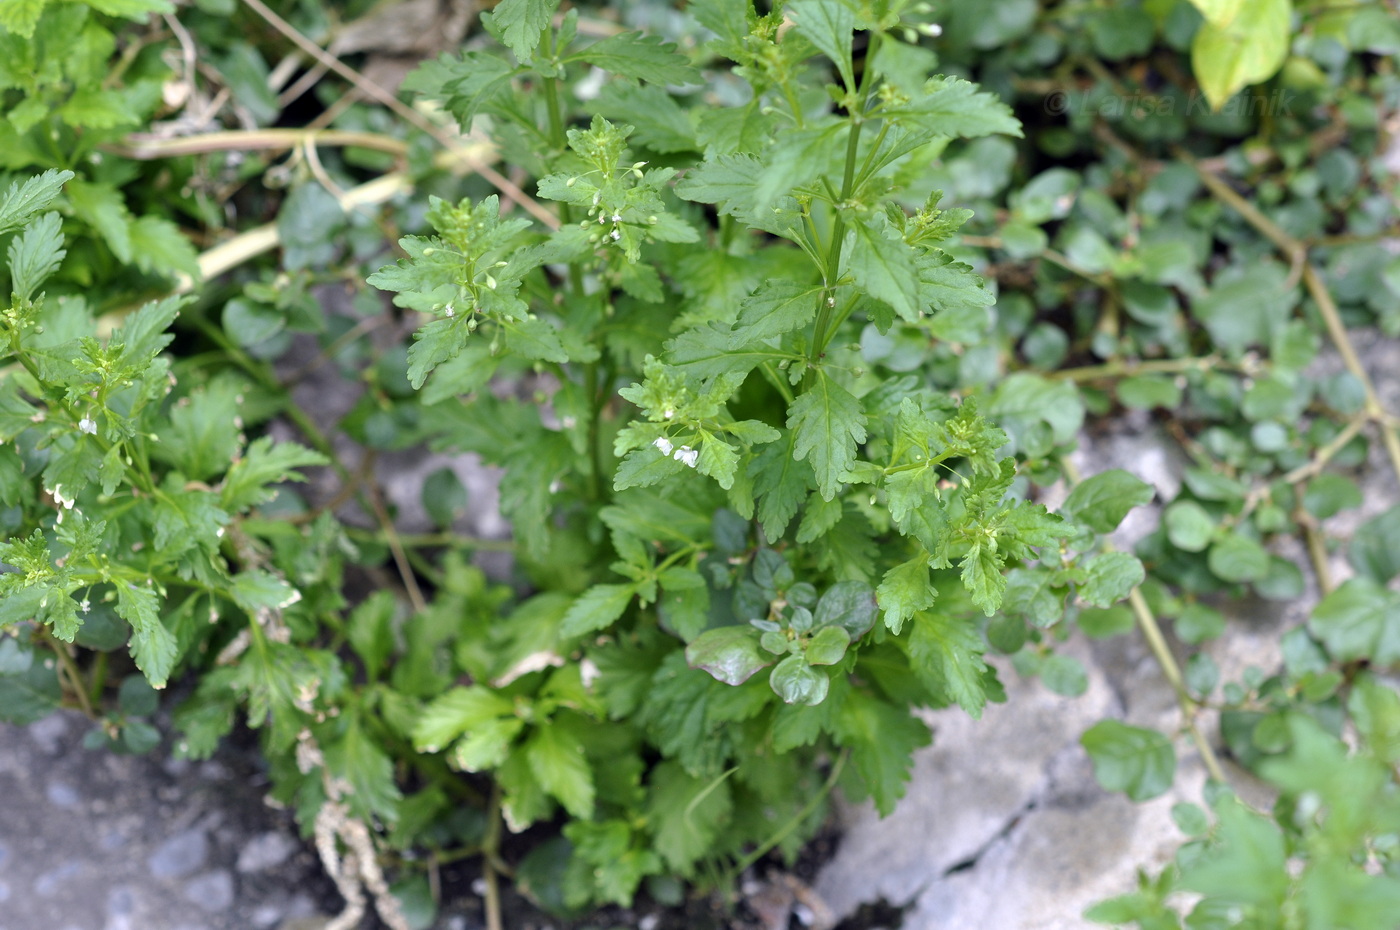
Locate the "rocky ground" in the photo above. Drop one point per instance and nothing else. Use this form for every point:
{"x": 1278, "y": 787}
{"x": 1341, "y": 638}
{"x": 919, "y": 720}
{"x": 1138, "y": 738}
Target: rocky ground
{"x": 1003, "y": 825}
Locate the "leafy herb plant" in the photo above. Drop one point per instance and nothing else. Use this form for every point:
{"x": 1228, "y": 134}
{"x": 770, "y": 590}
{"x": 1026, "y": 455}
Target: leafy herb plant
{"x": 769, "y": 416}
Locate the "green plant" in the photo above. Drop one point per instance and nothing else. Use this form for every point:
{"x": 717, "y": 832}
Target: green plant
{"x": 769, "y": 450}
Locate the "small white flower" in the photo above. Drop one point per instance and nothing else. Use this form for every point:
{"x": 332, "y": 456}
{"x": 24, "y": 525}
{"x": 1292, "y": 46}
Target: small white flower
{"x": 616, "y": 218}
{"x": 64, "y": 502}
{"x": 687, "y": 456}
{"x": 664, "y": 444}
{"x": 615, "y": 235}
{"x": 88, "y": 425}
{"x": 668, "y": 412}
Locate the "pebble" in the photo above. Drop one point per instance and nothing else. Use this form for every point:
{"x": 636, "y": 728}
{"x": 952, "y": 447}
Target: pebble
{"x": 212, "y": 891}
{"x": 54, "y": 879}
{"x": 265, "y": 851}
{"x": 62, "y": 794}
{"x": 183, "y": 854}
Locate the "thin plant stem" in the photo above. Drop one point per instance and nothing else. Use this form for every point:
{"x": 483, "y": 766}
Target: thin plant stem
{"x": 146, "y": 148}
{"x": 795, "y": 821}
{"x": 370, "y": 89}
{"x": 1296, "y": 251}
{"x": 69, "y": 668}
{"x": 490, "y": 852}
{"x": 391, "y": 538}
{"x": 1161, "y": 652}
{"x": 1156, "y": 642}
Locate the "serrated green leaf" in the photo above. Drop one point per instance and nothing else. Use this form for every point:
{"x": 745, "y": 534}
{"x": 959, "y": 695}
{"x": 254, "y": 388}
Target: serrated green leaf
{"x": 535, "y": 339}
{"x": 597, "y": 608}
{"x": 358, "y": 759}
{"x": 982, "y": 576}
{"x": 950, "y": 106}
{"x": 103, "y": 208}
{"x": 946, "y": 653}
{"x": 687, "y": 814}
{"x": 1111, "y": 576}
{"x": 1246, "y": 865}
{"x": 882, "y": 739}
{"x": 904, "y": 591}
{"x": 828, "y": 25}
{"x": 459, "y": 711}
{"x": 707, "y": 352}
{"x": 131, "y": 9}
{"x": 203, "y": 434}
{"x": 886, "y": 268}
{"x": 1103, "y": 500}
{"x": 21, "y": 16}
{"x": 24, "y": 199}
{"x": 257, "y": 589}
{"x": 775, "y": 308}
{"x": 152, "y": 645}
{"x": 35, "y": 255}
{"x": 641, "y": 57}
{"x": 521, "y": 24}
{"x": 797, "y": 157}
{"x": 246, "y": 484}
{"x": 159, "y": 247}
{"x": 559, "y": 764}
{"x": 659, "y": 123}
{"x": 728, "y": 181}
{"x": 828, "y": 424}
{"x": 370, "y": 630}
{"x": 781, "y": 482}
{"x": 1131, "y": 759}
{"x": 615, "y": 859}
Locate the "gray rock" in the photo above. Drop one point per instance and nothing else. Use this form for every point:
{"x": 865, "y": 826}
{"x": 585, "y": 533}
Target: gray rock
{"x": 212, "y": 891}
{"x": 62, "y": 794}
{"x": 977, "y": 778}
{"x": 183, "y": 854}
{"x": 149, "y": 847}
{"x": 266, "y": 851}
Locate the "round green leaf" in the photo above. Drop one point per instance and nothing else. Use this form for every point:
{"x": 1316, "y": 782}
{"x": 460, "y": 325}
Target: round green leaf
{"x": 1189, "y": 527}
{"x": 137, "y": 698}
{"x": 249, "y": 323}
{"x": 730, "y": 653}
{"x": 1198, "y": 623}
{"x": 1143, "y": 392}
{"x": 828, "y": 646}
{"x": 1064, "y": 675}
{"x": 1130, "y": 759}
{"x": 796, "y": 682}
{"x": 848, "y": 604}
{"x": 1190, "y": 819}
{"x": 444, "y": 497}
{"x": 1330, "y": 494}
{"x": 1238, "y": 558}
{"x": 1103, "y": 622}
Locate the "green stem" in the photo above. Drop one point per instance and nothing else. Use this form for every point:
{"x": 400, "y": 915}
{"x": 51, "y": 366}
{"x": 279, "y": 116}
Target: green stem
{"x": 795, "y": 821}
{"x": 821, "y": 334}
{"x": 594, "y": 386}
